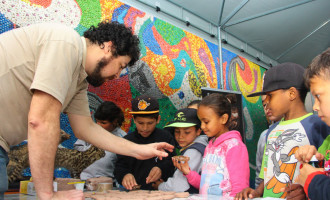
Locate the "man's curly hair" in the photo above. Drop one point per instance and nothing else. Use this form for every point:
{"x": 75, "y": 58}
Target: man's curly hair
{"x": 124, "y": 42}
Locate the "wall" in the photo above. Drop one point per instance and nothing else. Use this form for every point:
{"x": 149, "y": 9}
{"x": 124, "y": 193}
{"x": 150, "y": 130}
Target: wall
{"x": 174, "y": 63}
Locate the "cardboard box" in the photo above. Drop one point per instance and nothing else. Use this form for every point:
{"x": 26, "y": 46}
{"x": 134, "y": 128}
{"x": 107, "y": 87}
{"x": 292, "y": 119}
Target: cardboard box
{"x": 62, "y": 183}
{"x": 23, "y": 185}
{"x": 27, "y": 187}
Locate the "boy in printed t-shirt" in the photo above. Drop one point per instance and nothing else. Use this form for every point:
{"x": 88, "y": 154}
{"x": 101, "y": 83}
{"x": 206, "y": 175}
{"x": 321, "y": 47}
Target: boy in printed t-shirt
{"x": 285, "y": 90}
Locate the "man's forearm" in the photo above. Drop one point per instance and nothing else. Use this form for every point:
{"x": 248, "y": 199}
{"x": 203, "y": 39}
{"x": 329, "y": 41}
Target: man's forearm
{"x": 42, "y": 149}
{"x": 43, "y": 138}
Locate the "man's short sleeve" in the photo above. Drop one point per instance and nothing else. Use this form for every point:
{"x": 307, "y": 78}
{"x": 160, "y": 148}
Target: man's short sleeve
{"x": 79, "y": 103}
{"x": 55, "y": 66}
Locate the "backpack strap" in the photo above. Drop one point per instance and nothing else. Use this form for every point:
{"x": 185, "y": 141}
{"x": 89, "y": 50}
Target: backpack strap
{"x": 198, "y": 146}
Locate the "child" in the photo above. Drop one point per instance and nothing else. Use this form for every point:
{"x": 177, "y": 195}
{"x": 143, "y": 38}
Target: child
{"x": 316, "y": 181}
{"x": 262, "y": 139}
{"x": 285, "y": 90}
{"x": 110, "y": 117}
{"x": 187, "y": 134}
{"x": 129, "y": 171}
{"x": 194, "y": 104}
{"x": 317, "y": 78}
{"x": 225, "y": 167}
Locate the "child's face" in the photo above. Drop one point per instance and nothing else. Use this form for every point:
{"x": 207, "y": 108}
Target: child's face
{"x": 106, "y": 125}
{"x": 277, "y": 102}
{"x": 213, "y": 125}
{"x": 268, "y": 113}
{"x": 320, "y": 89}
{"x": 186, "y": 135}
{"x": 145, "y": 126}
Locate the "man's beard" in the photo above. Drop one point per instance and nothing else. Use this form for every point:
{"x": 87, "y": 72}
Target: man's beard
{"x": 95, "y": 79}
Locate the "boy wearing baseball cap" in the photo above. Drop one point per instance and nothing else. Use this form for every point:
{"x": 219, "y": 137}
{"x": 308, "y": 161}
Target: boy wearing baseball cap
{"x": 133, "y": 173}
{"x": 317, "y": 77}
{"x": 285, "y": 95}
{"x": 187, "y": 134}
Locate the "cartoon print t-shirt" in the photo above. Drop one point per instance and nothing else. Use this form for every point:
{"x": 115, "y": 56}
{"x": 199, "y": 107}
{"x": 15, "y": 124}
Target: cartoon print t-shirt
{"x": 280, "y": 167}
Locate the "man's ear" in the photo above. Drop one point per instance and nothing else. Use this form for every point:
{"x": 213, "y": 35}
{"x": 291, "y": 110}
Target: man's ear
{"x": 107, "y": 46}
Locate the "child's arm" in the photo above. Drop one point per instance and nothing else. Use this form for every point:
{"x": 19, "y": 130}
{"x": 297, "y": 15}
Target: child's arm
{"x": 154, "y": 175}
{"x": 179, "y": 182}
{"x": 317, "y": 186}
{"x": 193, "y": 177}
{"x": 129, "y": 181}
{"x": 122, "y": 168}
{"x": 250, "y": 193}
{"x": 237, "y": 160}
{"x": 305, "y": 153}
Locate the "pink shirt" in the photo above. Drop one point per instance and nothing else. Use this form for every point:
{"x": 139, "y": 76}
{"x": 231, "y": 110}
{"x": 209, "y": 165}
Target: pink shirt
{"x": 225, "y": 168}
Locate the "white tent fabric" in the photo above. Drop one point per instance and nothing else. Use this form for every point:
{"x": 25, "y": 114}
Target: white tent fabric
{"x": 272, "y": 31}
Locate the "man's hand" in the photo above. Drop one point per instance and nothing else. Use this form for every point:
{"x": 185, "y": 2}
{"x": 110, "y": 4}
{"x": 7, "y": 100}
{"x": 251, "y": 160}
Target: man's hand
{"x": 69, "y": 195}
{"x": 129, "y": 181}
{"x": 304, "y": 172}
{"x": 182, "y": 166}
{"x": 147, "y": 151}
{"x": 154, "y": 175}
{"x": 247, "y": 193}
{"x": 305, "y": 153}
{"x": 294, "y": 192}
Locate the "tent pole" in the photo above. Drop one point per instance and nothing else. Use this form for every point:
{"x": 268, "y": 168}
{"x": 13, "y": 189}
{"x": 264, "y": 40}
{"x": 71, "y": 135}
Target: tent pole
{"x": 221, "y": 86}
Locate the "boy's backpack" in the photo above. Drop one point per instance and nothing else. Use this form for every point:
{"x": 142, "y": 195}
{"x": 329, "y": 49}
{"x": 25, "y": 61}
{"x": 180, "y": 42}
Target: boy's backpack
{"x": 201, "y": 148}
{"x": 198, "y": 146}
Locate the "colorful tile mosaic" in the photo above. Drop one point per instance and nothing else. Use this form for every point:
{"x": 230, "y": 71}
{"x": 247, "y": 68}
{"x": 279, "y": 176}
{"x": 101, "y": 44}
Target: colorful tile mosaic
{"x": 174, "y": 63}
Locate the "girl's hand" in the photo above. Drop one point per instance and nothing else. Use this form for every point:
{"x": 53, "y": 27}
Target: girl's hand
{"x": 182, "y": 166}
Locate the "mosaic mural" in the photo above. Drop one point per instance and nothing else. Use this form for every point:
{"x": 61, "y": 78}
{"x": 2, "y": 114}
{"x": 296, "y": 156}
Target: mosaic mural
{"x": 174, "y": 63}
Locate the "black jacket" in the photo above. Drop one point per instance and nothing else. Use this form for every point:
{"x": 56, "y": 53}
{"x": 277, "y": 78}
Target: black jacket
{"x": 319, "y": 187}
{"x": 141, "y": 168}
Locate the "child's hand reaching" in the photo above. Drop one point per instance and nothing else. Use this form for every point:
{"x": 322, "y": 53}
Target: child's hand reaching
{"x": 305, "y": 153}
{"x": 306, "y": 170}
{"x": 183, "y": 166}
{"x": 247, "y": 193}
{"x": 294, "y": 191}
{"x": 154, "y": 175}
{"x": 129, "y": 181}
